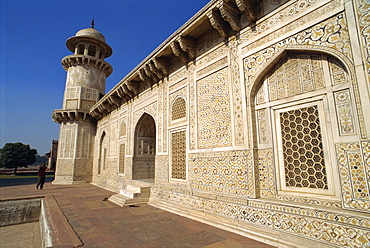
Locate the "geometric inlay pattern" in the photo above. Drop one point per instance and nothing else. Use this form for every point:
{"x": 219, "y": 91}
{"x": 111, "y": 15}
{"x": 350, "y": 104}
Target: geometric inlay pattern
{"x": 354, "y": 165}
{"x": 294, "y": 75}
{"x": 266, "y": 173}
{"x": 363, "y": 12}
{"x": 223, "y": 172}
{"x": 179, "y": 155}
{"x": 304, "y": 163}
{"x": 343, "y": 105}
{"x": 237, "y": 93}
{"x": 122, "y": 158}
{"x": 337, "y": 72}
{"x": 161, "y": 171}
{"x": 214, "y": 120}
{"x": 330, "y": 35}
{"x": 333, "y": 228}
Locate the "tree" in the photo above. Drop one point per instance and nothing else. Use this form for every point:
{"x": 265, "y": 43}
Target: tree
{"x": 40, "y": 160}
{"x": 14, "y": 155}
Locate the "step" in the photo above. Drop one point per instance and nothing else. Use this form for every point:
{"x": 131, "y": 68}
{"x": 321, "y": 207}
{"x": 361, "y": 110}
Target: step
{"x": 122, "y": 200}
{"x": 131, "y": 195}
{"x": 132, "y": 191}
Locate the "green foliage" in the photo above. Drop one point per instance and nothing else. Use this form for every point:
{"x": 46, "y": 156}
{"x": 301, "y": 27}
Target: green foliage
{"x": 14, "y": 155}
{"x": 40, "y": 160}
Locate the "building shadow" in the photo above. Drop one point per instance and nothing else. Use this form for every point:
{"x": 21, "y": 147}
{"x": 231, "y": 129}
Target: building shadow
{"x": 5, "y": 182}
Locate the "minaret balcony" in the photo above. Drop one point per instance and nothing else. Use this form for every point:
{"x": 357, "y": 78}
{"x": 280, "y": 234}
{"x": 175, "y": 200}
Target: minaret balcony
{"x": 74, "y": 60}
{"x": 67, "y": 115}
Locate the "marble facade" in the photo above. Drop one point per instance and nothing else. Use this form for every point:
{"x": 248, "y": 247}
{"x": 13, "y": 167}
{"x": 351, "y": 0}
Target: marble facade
{"x": 252, "y": 117}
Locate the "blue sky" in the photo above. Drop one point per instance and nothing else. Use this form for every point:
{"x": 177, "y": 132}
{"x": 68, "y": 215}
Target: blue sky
{"x": 32, "y": 44}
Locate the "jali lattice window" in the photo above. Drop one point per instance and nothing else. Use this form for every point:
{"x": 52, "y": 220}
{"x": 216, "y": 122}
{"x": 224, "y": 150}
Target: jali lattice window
{"x": 179, "y": 155}
{"x": 178, "y": 109}
{"x": 304, "y": 164}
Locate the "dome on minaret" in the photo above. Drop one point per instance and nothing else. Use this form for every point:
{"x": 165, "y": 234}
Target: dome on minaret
{"x": 92, "y": 33}
{"x": 89, "y": 35}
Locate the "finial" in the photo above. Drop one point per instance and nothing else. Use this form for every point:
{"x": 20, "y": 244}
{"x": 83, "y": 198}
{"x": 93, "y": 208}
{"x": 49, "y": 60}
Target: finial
{"x": 92, "y": 23}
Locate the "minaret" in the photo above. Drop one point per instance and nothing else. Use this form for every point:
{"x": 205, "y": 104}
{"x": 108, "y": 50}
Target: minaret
{"x": 85, "y": 85}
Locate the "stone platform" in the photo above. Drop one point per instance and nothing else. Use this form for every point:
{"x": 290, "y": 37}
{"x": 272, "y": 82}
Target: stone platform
{"x": 81, "y": 215}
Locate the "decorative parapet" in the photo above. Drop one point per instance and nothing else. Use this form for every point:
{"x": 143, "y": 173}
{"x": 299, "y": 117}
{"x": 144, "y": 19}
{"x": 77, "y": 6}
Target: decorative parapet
{"x": 73, "y": 60}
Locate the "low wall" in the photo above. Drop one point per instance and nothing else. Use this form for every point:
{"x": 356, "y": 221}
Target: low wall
{"x": 18, "y": 211}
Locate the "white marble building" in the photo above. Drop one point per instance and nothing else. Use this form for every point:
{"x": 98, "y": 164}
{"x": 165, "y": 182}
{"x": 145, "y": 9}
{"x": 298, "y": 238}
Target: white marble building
{"x": 253, "y": 117}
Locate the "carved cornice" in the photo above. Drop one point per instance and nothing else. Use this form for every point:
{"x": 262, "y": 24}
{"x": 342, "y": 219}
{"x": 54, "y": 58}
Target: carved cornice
{"x": 114, "y": 100}
{"x": 66, "y": 115}
{"x": 127, "y": 91}
{"x": 230, "y": 14}
{"x": 162, "y": 65}
{"x": 187, "y": 44}
{"x": 107, "y": 106}
{"x": 176, "y": 49}
{"x": 218, "y": 23}
{"x": 74, "y": 60}
{"x": 155, "y": 70}
{"x": 223, "y": 15}
{"x": 150, "y": 73}
{"x": 133, "y": 87}
{"x": 248, "y": 7}
{"x": 121, "y": 94}
{"x": 144, "y": 77}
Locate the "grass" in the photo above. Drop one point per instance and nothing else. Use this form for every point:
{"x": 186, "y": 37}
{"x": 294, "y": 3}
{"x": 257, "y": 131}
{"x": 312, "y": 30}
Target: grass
{"x": 22, "y": 176}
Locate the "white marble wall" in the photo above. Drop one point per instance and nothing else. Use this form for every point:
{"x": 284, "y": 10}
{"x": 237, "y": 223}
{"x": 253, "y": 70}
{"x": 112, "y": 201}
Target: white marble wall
{"x": 300, "y": 56}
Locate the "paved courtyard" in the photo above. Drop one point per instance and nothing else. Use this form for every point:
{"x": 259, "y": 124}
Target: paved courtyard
{"x": 99, "y": 223}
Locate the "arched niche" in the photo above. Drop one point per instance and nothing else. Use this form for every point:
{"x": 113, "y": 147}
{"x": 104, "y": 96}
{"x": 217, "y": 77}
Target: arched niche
{"x": 143, "y": 167}
{"x": 102, "y": 152}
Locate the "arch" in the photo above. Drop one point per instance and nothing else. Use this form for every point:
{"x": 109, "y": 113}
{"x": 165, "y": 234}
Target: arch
{"x": 178, "y": 109}
{"x": 143, "y": 167}
{"x": 256, "y": 83}
{"x": 306, "y": 95}
{"x": 102, "y": 152}
{"x": 150, "y": 109}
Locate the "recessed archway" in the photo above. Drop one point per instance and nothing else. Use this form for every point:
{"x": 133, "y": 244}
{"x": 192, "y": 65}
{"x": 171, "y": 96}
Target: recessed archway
{"x": 293, "y": 105}
{"x": 143, "y": 167}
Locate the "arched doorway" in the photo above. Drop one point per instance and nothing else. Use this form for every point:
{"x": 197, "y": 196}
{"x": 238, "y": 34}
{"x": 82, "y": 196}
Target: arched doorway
{"x": 143, "y": 167}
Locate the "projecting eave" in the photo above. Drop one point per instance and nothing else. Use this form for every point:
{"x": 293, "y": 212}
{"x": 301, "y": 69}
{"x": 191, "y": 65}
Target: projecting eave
{"x": 221, "y": 16}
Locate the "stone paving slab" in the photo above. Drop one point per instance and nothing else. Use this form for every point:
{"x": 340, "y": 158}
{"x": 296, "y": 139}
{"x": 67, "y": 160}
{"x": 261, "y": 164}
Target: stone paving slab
{"x": 22, "y": 235}
{"x": 96, "y": 222}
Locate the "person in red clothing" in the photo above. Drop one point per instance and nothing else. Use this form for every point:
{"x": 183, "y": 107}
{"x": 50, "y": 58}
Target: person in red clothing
{"x": 41, "y": 174}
